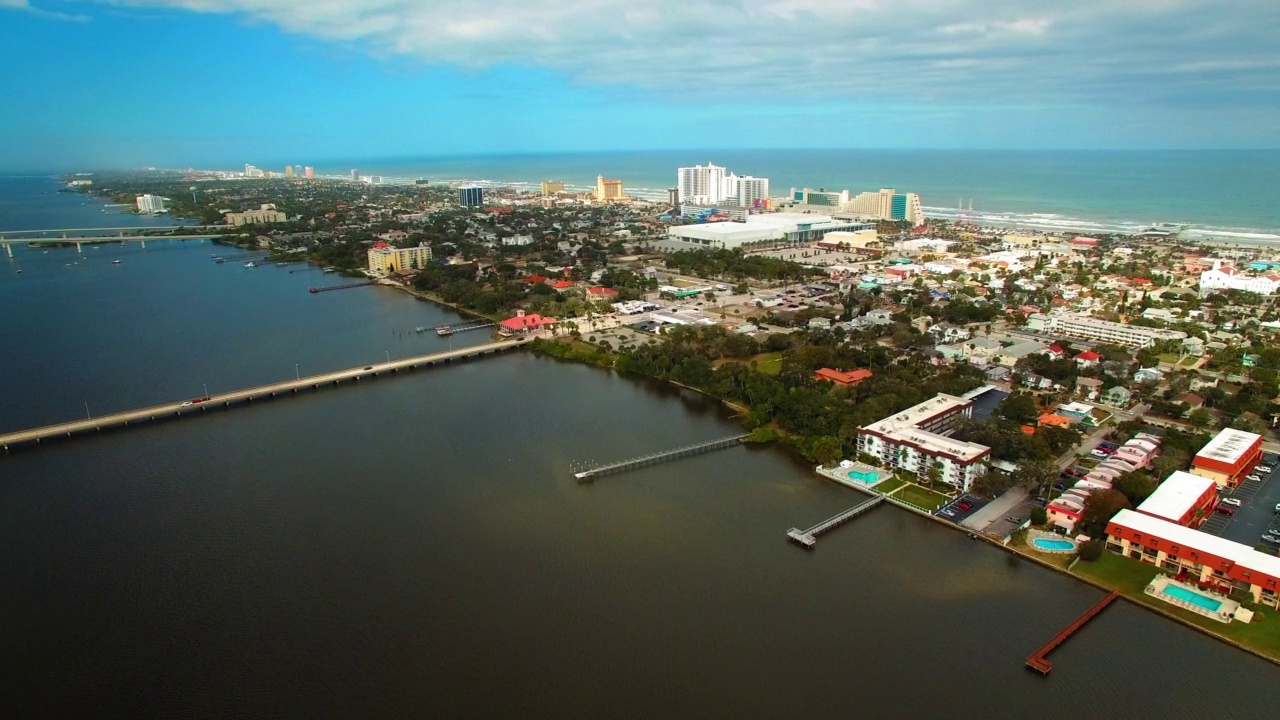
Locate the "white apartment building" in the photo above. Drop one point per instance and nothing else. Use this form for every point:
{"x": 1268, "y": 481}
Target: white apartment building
{"x": 701, "y": 184}
{"x": 886, "y": 205}
{"x": 746, "y": 190}
{"x": 149, "y": 204}
{"x": 914, "y": 440}
{"x": 1092, "y": 328}
{"x": 384, "y": 259}
{"x": 1228, "y": 278}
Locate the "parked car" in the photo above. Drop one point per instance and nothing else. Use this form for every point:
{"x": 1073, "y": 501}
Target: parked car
{"x": 1107, "y": 445}
{"x": 1255, "y": 478}
{"x": 1233, "y": 502}
{"x": 1107, "y": 450}
{"x": 1271, "y": 539}
{"x": 1225, "y": 510}
{"x": 1264, "y": 469}
{"x": 948, "y": 512}
{"x": 1098, "y": 453}
{"x": 1074, "y": 472}
{"x": 1060, "y": 486}
{"x": 1278, "y": 507}
{"x": 964, "y": 505}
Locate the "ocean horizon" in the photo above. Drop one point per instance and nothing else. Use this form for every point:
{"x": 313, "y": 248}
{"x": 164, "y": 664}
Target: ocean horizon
{"x": 1216, "y": 193}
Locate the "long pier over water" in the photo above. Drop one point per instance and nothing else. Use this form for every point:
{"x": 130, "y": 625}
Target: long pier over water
{"x": 658, "y": 457}
{"x": 183, "y": 407}
{"x": 808, "y": 538}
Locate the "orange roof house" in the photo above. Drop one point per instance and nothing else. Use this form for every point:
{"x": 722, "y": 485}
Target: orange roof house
{"x": 853, "y": 377}
{"x": 1054, "y": 420}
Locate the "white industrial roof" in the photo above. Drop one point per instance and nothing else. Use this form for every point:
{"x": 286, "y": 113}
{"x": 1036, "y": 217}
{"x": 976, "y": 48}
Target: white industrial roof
{"x": 1176, "y": 495}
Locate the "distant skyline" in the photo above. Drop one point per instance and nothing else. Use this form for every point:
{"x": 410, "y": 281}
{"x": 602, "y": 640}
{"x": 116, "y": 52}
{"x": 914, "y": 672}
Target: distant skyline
{"x": 131, "y": 83}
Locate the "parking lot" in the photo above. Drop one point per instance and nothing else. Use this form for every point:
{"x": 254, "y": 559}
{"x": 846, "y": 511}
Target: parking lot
{"x": 952, "y": 512}
{"x": 1256, "y": 515}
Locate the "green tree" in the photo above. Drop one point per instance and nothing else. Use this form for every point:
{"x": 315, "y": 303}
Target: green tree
{"x": 1200, "y": 418}
{"x": 1099, "y": 508}
{"x": 1090, "y": 550}
{"x": 1136, "y": 486}
{"x": 1019, "y": 408}
{"x": 1039, "y": 516}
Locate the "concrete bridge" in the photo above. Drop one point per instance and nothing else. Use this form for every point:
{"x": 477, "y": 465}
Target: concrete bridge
{"x": 248, "y": 395}
{"x": 8, "y": 240}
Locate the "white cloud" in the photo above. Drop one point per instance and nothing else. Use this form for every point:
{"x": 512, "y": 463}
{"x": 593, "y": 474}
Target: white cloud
{"x": 912, "y": 49}
{"x": 26, "y": 6}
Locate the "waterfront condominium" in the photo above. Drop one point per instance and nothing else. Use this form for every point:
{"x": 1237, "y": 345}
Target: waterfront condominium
{"x": 886, "y": 205}
{"x": 471, "y": 196}
{"x": 551, "y": 187}
{"x": 1229, "y": 457}
{"x": 150, "y": 204}
{"x": 746, "y": 191}
{"x": 915, "y": 440}
{"x": 384, "y": 259}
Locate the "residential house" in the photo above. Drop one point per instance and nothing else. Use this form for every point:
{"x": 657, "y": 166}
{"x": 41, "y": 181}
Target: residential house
{"x": 1090, "y": 388}
{"x": 1118, "y": 396}
{"x": 1088, "y": 359}
{"x": 1148, "y": 375}
{"x": 839, "y": 377}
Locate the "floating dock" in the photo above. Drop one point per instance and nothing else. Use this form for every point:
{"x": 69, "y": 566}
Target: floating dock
{"x": 658, "y": 457}
{"x": 809, "y": 538}
{"x": 1037, "y": 660}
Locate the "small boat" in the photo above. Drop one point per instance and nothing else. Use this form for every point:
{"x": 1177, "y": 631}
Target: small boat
{"x": 251, "y": 264}
{"x": 444, "y": 330}
{"x": 115, "y": 262}
{"x": 19, "y": 272}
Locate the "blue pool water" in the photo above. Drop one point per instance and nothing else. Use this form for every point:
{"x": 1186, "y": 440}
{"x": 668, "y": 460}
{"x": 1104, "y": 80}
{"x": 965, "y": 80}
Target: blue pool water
{"x": 1054, "y": 545}
{"x": 1194, "y": 598}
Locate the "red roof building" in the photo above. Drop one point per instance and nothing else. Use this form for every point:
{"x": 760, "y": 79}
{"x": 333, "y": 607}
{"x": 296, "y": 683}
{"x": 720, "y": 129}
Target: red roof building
{"x": 1228, "y": 457}
{"x": 1088, "y": 357}
{"x": 534, "y": 279}
{"x": 602, "y": 291}
{"x": 562, "y": 284}
{"x": 523, "y": 324}
{"x": 853, "y": 377}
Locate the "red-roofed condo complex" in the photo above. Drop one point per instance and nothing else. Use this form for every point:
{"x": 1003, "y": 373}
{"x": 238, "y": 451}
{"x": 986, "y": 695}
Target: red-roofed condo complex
{"x": 1229, "y": 457}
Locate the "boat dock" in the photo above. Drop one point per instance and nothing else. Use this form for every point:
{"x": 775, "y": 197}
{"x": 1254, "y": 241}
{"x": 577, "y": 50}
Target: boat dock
{"x": 653, "y": 459}
{"x": 341, "y": 287}
{"x": 809, "y": 538}
{"x": 257, "y": 255}
{"x": 1037, "y": 660}
{"x": 458, "y": 327}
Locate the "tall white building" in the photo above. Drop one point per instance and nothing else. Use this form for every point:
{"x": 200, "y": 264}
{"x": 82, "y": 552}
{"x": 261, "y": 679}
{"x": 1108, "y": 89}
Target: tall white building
{"x": 701, "y": 184}
{"x": 746, "y": 190}
{"x": 149, "y": 204}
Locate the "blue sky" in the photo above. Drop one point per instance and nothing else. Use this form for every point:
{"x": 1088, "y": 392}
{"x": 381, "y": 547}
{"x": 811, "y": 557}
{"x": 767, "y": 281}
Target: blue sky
{"x": 213, "y": 82}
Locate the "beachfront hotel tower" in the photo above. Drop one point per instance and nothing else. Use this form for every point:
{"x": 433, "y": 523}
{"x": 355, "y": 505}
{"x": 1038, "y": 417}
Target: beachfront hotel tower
{"x": 608, "y": 190}
{"x": 711, "y": 184}
{"x": 887, "y": 205}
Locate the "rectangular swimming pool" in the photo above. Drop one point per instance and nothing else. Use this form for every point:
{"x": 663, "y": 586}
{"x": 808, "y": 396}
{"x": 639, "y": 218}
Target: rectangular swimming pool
{"x": 1195, "y": 598}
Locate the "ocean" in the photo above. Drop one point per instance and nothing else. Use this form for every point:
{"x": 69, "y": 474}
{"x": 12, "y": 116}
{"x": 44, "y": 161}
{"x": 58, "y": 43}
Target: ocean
{"x": 1220, "y": 195}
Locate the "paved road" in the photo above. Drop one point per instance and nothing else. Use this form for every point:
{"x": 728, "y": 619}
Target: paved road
{"x": 181, "y": 406}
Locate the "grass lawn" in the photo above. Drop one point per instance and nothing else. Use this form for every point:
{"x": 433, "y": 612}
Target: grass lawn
{"x": 923, "y": 497}
{"x": 768, "y": 363}
{"x": 1130, "y": 576}
{"x": 889, "y": 485}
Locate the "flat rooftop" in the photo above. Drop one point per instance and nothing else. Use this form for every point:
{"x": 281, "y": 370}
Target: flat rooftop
{"x": 902, "y": 427}
{"x": 1229, "y": 446}
{"x": 1176, "y": 496}
{"x": 1241, "y": 554}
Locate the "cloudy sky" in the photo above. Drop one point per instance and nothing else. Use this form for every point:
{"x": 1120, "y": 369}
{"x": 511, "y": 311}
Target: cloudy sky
{"x": 205, "y": 81}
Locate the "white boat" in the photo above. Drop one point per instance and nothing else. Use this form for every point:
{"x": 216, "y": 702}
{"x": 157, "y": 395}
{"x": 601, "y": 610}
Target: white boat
{"x": 251, "y": 264}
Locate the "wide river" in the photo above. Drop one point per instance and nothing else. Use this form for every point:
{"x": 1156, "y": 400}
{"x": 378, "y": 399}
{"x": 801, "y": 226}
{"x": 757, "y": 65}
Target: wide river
{"x": 417, "y": 547}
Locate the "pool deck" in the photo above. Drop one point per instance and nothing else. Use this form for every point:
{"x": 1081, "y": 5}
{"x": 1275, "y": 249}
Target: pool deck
{"x": 1224, "y": 614}
{"x": 1033, "y": 535}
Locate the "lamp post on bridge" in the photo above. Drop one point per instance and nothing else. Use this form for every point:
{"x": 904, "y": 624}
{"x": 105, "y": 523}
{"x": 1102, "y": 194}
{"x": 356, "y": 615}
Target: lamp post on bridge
{"x": 206, "y": 390}
{"x": 388, "y": 352}
{"x": 297, "y": 374}
{"x": 86, "y": 410}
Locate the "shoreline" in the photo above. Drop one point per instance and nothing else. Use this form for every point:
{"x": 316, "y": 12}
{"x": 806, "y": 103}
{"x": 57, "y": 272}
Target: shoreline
{"x": 1273, "y": 659}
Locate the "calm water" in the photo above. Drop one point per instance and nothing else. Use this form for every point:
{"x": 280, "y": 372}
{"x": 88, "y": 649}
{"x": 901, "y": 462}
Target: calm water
{"x": 1220, "y": 193}
{"x": 417, "y": 546}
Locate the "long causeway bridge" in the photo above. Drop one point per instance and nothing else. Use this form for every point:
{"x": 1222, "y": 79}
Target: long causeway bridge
{"x": 248, "y": 395}
{"x": 808, "y": 538}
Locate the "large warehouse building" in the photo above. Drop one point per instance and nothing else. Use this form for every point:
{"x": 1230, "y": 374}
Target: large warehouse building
{"x": 792, "y": 228}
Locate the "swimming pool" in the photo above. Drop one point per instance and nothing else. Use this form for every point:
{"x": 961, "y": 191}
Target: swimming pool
{"x": 1195, "y": 598}
{"x": 1051, "y": 545}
